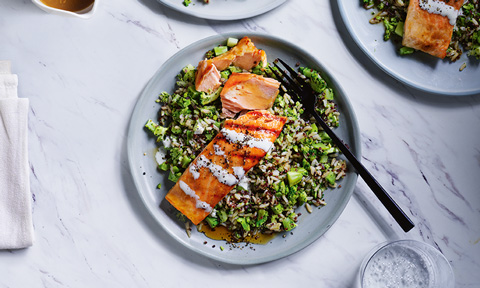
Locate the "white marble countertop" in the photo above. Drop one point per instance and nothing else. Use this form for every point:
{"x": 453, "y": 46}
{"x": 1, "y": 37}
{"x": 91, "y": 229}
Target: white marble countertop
{"x": 83, "y": 78}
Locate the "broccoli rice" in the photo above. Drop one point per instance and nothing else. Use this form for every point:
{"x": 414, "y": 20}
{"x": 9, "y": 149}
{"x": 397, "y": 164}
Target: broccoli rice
{"x": 296, "y": 172}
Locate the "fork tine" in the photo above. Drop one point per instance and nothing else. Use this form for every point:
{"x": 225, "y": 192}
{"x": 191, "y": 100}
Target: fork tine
{"x": 293, "y": 73}
{"x": 271, "y": 73}
{"x": 286, "y": 84}
{"x": 290, "y": 83}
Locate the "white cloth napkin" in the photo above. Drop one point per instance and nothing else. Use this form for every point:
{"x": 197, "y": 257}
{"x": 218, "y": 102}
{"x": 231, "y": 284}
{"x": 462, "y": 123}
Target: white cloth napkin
{"x": 16, "y": 227}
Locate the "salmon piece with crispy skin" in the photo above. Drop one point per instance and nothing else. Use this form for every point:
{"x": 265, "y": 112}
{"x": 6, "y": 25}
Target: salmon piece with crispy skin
{"x": 239, "y": 146}
{"x": 428, "y": 32}
{"x": 244, "y": 55}
{"x": 208, "y": 77}
{"x": 247, "y": 91}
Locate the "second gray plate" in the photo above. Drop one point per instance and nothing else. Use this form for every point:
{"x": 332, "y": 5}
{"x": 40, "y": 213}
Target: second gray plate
{"x": 418, "y": 70}
{"x": 224, "y": 9}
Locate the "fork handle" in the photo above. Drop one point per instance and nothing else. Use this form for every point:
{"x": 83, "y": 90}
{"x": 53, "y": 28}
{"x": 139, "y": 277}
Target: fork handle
{"x": 402, "y": 219}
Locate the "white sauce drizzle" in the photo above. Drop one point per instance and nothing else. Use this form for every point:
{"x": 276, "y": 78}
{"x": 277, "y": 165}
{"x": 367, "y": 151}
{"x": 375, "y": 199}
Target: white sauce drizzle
{"x": 238, "y": 171}
{"x": 244, "y": 183}
{"x": 167, "y": 142}
{"x": 199, "y": 203}
{"x": 222, "y": 175}
{"x": 194, "y": 170}
{"x": 440, "y": 8}
{"x": 161, "y": 156}
{"x": 218, "y": 150}
{"x": 240, "y": 138}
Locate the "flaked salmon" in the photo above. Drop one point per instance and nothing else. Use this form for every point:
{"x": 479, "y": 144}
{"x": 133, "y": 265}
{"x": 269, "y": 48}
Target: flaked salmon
{"x": 247, "y": 91}
{"x": 208, "y": 77}
{"x": 243, "y": 55}
{"x": 239, "y": 146}
{"x": 430, "y": 29}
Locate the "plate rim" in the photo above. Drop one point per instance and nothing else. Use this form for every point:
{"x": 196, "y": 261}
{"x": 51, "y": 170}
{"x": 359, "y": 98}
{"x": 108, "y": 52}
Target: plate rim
{"x": 219, "y": 17}
{"x": 430, "y": 89}
{"x": 355, "y": 146}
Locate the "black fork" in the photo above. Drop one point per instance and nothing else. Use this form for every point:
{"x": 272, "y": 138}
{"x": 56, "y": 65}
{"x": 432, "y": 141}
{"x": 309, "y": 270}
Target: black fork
{"x": 301, "y": 91}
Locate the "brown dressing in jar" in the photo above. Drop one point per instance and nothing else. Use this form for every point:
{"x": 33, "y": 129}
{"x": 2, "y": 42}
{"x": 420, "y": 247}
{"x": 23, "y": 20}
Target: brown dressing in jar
{"x": 222, "y": 233}
{"x": 68, "y": 5}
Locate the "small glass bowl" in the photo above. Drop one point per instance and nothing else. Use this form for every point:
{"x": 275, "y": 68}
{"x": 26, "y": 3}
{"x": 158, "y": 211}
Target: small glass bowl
{"x": 405, "y": 264}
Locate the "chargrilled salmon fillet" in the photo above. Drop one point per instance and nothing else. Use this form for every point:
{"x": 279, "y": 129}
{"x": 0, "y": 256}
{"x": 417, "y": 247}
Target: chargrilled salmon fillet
{"x": 208, "y": 77}
{"x": 247, "y": 91}
{"x": 239, "y": 146}
{"x": 429, "y": 32}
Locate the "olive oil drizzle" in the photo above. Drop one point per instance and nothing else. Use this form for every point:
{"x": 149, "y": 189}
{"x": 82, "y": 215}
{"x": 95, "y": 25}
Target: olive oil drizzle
{"x": 222, "y": 233}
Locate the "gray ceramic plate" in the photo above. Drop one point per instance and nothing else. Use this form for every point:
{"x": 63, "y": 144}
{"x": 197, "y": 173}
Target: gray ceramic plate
{"x": 418, "y": 70}
{"x": 146, "y": 176}
{"x": 224, "y": 9}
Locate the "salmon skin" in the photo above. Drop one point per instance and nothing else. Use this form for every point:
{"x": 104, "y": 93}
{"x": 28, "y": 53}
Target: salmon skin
{"x": 243, "y": 55}
{"x": 247, "y": 91}
{"x": 238, "y": 147}
{"x": 429, "y": 32}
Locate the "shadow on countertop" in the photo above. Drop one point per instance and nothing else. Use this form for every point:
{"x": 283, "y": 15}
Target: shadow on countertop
{"x": 419, "y": 96}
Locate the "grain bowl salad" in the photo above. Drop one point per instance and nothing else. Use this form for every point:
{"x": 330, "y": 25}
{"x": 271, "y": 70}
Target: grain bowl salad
{"x": 444, "y": 29}
{"x": 242, "y": 153}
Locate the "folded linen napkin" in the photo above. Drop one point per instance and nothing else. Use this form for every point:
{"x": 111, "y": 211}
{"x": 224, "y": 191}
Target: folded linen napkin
{"x": 16, "y": 228}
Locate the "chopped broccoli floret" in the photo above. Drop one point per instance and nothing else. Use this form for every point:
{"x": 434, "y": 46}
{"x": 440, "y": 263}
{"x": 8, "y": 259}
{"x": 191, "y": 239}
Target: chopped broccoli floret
{"x": 262, "y": 217}
{"x": 157, "y": 130}
{"x": 163, "y": 97}
{"x": 243, "y": 222}
{"x": 475, "y": 52}
{"x": 288, "y": 224}
{"x": 368, "y": 3}
{"x": 390, "y": 27}
{"x": 277, "y": 209}
{"x": 330, "y": 177}
{"x": 406, "y": 50}
{"x": 212, "y": 221}
{"x": 302, "y": 198}
{"x": 328, "y": 94}
{"x": 295, "y": 175}
{"x": 188, "y": 73}
{"x": 209, "y": 98}
{"x": 476, "y": 37}
{"x": 225, "y": 74}
{"x": 468, "y": 8}
{"x": 174, "y": 176}
{"x": 150, "y": 125}
{"x": 316, "y": 81}
{"x": 222, "y": 215}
